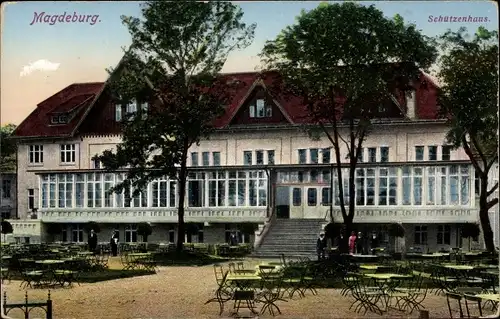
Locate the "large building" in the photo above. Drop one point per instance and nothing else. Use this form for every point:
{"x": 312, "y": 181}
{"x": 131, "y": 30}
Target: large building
{"x": 259, "y": 167}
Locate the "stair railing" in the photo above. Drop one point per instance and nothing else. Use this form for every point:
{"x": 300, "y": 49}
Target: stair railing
{"x": 261, "y": 233}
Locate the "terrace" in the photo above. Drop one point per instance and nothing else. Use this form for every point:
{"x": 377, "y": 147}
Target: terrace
{"x": 358, "y": 286}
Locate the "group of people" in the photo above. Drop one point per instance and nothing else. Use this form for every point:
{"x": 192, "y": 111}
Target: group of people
{"x": 92, "y": 241}
{"x": 357, "y": 243}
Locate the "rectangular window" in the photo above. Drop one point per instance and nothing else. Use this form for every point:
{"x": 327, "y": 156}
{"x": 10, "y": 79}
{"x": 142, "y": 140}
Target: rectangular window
{"x": 237, "y": 189}
{"x": 31, "y": 198}
{"x": 433, "y": 156}
{"x": 417, "y": 186}
{"x": 313, "y": 154}
{"x": 216, "y": 158}
{"x": 194, "y": 159}
{"x": 35, "y": 154}
{"x": 196, "y": 191}
{"x": 372, "y": 155}
{"x": 444, "y": 186}
{"x": 361, "y": 155}
{"x": 205, "y": 158}
{"x": 132, "y": 108}
{"x": 387, "y": 186}
{"x": 247, "y": 158}
{"x": 65, "y": 190}
{"x": 79, "y": 190}
{"x": 108, "y": 195}
{"x": 217, "y": 184}
{"x": 406, "y": 186}
{"x": 370, "y": 186}
{"x": 260, "y": 108}
{"x": 454, "y": 185}
{"x": 259, "y": 157}
{"x": 77, "y": 234}
{"x": 444, "y": 235}
{"x": 131, "y": 233}
{"x": 144, "y": 110}
{"x": 419, "y": 153}
{"x": 360, "y": 186}
{"x": 464, "y": 185}
{"x": 420, "y": 237}
{"x": 446, "y": 152}
{"x": 270, "y": 157}
{"x": 297, "y": 196}
{"x": 94, "y": 190}
{"x": 118, "y": 112}
{"x": 140, "y": 199}
{"x": 302, "y": 156}
{"x": 95, "y": 164}
{"x": 68, "y": 153}
{"x": 384, "y": 154}
{"x": 326, "y": 156}
{"x": 6, "y": 185}
{"x": 431, "y": 186}
{"x": 52, "y": 190}
{"x": 325, "y": 196}
{"x": 312, "y": 197}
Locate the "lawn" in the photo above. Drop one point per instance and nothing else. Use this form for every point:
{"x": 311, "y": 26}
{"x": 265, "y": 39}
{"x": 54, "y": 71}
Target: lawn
{"x": 180, "y": 292}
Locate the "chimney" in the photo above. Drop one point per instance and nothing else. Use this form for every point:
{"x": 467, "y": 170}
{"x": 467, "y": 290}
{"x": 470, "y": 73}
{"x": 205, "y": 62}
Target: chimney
{"x": 410, "y": 105}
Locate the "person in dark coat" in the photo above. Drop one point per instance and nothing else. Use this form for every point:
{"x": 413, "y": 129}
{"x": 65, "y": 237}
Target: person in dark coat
{"x": 92, "y": 241}
{"x": 233, "y": 240}
{"x": 360, "y": 244}
{"x": 114, "y": 243}
{"x": 321, "y": 246}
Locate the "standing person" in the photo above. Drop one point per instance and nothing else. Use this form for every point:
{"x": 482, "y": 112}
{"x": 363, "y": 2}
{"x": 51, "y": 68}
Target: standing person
{"x": 233, "y": 240}
{"x": 360, "y": 244}
{"x": 92, "y": 241}
{"x": 321, "y": 246}
{"x": 114, "y": 243}
{"x": 352, "y": 243}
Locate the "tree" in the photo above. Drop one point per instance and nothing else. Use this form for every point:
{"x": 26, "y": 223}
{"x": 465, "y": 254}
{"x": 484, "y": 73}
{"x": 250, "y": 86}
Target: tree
{"x": 7, "y": 227}
{"x": 177, "y": 51}
{"x": 145, "y": 230}
{"x": 8, "y": 148}
{"x": 344, "y": 60}
{"x": 468, "y": 98}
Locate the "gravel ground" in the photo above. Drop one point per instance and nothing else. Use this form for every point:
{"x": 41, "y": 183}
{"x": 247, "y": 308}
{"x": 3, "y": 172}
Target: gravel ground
{"x": 180, "y": 292}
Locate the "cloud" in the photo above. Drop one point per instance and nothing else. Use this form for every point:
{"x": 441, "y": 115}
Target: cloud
{"x": 40, "y": 65}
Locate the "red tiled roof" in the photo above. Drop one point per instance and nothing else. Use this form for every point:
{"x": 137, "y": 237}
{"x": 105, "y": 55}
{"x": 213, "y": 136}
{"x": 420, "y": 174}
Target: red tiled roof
{"x": 72, "y": 103}
{"x": 100, "y": 115}
{"x": 37, "y": 124}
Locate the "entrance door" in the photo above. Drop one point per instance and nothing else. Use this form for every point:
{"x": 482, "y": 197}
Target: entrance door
{"x": 283, "y": 202}
{"x": 297, "y": 202}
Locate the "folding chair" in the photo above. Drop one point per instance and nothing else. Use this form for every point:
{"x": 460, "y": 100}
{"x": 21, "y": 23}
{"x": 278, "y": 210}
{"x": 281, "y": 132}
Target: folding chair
{"x": 458, "y": 298}
{"x": 469, "y": 300}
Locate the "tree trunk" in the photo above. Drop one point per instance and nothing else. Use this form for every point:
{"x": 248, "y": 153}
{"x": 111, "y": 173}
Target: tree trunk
{"x": 483, "y": 215}
{"x": 180, "y": 209}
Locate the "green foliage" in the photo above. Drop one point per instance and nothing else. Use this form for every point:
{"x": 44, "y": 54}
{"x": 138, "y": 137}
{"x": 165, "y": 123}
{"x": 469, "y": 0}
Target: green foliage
{"x": 470, "y": 230}
{"x": 178, "y": 49}
{"x": 53, "y": 228}
{"x": 396, "y": 230}
{"x": 344, "y": 60}
{"x": 468, "y": 98}
{"x": 8, "y": 148}
{"x": 145, "y": 230}
{"x": 7, "y": 227}
{"x": 91, "y": 225}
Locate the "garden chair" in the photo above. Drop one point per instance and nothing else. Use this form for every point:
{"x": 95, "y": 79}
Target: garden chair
{"x": 416, "y": 293}
{"x": 471, "y": 300}
{"x": 293, "y": 278}
{"x": 366, "y": 297}
{"x": 349, "y": 281}
{"x": 224, "y": 292}
{"x": 246, "y": 296}
{"x": 458, "y": 298}
{"x": 270, "y": 294}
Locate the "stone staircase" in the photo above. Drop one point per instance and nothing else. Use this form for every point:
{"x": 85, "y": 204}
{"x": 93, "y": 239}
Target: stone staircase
{"x": 292, "y": 237}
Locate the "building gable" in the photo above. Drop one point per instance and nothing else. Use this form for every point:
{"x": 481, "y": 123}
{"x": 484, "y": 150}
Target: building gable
{"x": 259, "y": 107}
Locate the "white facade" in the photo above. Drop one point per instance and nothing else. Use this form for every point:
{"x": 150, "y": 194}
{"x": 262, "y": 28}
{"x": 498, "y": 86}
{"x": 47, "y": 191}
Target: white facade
{"x": 429, "y": 197}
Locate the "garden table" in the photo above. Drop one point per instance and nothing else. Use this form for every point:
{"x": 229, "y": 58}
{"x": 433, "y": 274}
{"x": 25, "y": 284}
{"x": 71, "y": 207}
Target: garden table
{"x": 243, "y": 281}
{"x": 49, "y": 267}
{"x": 492, "y": 297}
{"x": 374, "y": 268}
{"x": 134, "y": 260}
{"x": 459, "y": 267}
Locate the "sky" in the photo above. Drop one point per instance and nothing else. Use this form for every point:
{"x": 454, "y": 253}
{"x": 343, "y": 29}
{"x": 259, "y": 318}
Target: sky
{"x": 39, "y": 59}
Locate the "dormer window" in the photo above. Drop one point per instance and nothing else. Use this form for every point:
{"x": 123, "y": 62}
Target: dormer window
{"x": 59, "y": 119}
{"x": 260, "y": 109}
{"x": 54, "y": 120}
{"x": 132, "y": 107}
{"x": 63, "y": 119}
